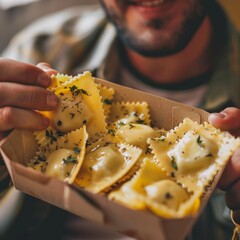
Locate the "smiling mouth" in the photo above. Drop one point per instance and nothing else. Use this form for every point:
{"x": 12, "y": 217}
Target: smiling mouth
{"x": 148, "y": 3}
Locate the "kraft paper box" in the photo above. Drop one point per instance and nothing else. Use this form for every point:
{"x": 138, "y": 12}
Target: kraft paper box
{"x": 20, "y": 146}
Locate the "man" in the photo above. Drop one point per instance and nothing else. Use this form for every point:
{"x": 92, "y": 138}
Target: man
{"x": 178, "y": 49}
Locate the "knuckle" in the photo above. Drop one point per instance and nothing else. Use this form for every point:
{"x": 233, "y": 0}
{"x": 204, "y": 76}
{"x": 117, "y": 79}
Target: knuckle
{"x": 37, "y": 98}
{"x": 32, "y": 97}
{"x": 7, "y": 115}
{"x": 28, "y": 74}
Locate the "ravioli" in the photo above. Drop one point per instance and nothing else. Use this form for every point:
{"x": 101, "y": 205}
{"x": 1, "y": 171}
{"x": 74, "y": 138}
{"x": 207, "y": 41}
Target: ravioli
{"x": 48, "y": 138}
{"x": 166, "y": 172}
{"x": 123, "y": 113}
{"x": 79, "y": 104}
{"x": 152, "y": 189}
{"x": 193, "y": 153}
{"x": 65, "y": 160}
{"x": 132, "y": 193}
{"x": 105, "y": 164}
{"x": 135, "y": 134}
{"x": 58, "y": 80}
{"x": 107, "y": 95}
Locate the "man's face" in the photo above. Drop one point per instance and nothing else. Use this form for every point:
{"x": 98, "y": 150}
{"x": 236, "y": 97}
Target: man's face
{"x": 156, "y": 27}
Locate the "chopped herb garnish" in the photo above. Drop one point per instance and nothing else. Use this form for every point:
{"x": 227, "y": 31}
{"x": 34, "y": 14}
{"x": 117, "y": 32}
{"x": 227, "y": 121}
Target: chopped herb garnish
{"x": 168, "y": 195}
{"x": 173, "y": 163}
{"x": 200, "y": 142}
{"x": 76, "y": 91}
{"x": 60, "y": 134}
{"x": 107, "y": 101}
{"x": 44, "y": 167}
{"x": 112, "y": 132}
{"x": 49, "y": 134}
{"x": 72, "y": 115}
{"x": 69, "y": 159}
{"x": 76, "y": 150}
{"x": 64, "y": 108}
{"x": 210, "y": 155}
{"x": 121, "y": 123}
{"x": 41, "y": 158}
{"x": 84, "y": 92}
{"x": 73, "y": 88}
{"x": 90, "y": 168}
{"x": 140, "y": 121}
{"x": 148, "y": 150}
{"x": 131, "y": 126}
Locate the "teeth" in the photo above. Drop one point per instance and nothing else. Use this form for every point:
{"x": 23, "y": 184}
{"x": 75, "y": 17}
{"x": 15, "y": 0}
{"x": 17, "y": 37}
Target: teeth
{"x": 152, "y": 3}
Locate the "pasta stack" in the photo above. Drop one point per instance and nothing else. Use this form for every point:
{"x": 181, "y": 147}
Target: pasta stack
{"x": 111, "y": 148}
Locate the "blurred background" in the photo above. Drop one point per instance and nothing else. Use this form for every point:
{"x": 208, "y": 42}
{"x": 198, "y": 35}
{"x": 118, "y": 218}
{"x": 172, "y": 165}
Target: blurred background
{"x": 16, "y": 14}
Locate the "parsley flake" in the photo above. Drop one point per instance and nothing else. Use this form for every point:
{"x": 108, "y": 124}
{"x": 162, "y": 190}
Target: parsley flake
{"x": 200, "y": 142}
{"x": 107, "y": 101}
{"x": 173, "y": 163}
{"x": 69, "y": 159}
{"x": 76, "y": 150}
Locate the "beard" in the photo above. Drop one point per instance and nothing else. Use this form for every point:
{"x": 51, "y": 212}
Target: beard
{"x": 157, "y": 37}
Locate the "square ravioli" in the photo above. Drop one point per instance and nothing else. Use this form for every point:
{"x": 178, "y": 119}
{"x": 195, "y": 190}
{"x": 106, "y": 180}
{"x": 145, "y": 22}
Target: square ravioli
{"x": 193, "y": 153}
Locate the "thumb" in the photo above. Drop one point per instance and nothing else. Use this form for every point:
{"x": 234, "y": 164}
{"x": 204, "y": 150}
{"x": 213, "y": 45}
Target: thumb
{"x": 228, "y": 119}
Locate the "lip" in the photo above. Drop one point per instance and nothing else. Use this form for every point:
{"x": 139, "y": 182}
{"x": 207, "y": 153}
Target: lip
{"x": 153, "y": 8}
{"x": 146, "y": 3}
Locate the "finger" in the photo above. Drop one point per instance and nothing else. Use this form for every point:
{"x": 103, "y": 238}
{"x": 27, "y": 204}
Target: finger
{"x": 47, "y": 69}
{"x": 231, "y": 173}
{"x": 21, "y": 118}
{"x": 232, "y": 197}
{"x": 19, "y": 72}
{"x": 31, "y": 97}
{"x": 228, "y": 119}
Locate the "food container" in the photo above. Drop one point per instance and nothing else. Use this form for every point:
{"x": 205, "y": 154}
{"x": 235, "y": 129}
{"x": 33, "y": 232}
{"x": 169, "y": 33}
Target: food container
{"x": 20, "y": 146}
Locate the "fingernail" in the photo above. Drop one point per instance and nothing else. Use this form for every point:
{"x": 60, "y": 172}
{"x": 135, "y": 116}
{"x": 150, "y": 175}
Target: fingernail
{"x": 215, "y": 116}
{"x": 45, "y": 121}
{"x": 52, "y": 100}
{"x": 219, "y": 115}
{"x": 43, "y": 80}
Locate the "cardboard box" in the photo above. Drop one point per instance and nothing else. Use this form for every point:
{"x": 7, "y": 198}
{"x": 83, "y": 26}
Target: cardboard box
{"x": 20, "y": 146}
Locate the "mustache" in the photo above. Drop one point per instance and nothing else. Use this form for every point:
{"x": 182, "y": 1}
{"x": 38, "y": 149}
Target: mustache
{"x": 139, "y": 1}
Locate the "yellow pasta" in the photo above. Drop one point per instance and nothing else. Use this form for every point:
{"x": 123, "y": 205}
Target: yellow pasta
{"x": 65, "y": 160}
{"x": 193, "y": 153}
{"x": 105, "y": 164}
{"x": 107, "y": 95}
{"x": 123, "y": 113}
{"x": 79, "y": 104}
{"x": 127, "y": 159}
{"x": 152, "y": 189}
{"x": 58, "y": 80}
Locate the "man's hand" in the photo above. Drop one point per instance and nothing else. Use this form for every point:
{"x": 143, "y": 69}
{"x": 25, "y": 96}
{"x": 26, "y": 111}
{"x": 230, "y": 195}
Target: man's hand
{"x": 229, "y": 120}
{"x": 22, "y": 91}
